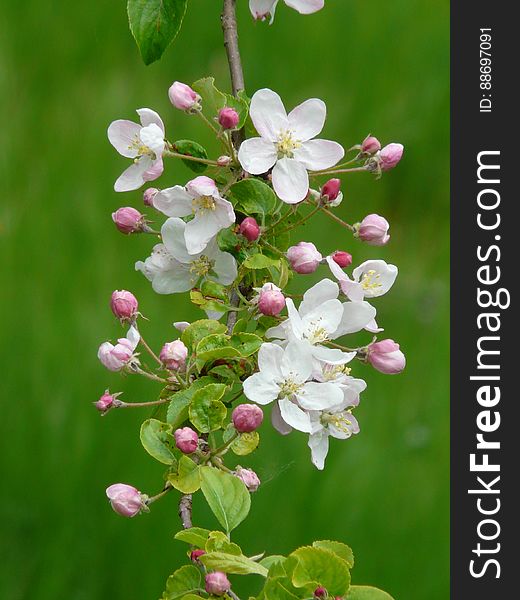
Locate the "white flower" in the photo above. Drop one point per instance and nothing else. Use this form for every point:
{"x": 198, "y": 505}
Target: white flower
{"x": 143, "y": 143}
{"x": 337, "y": 422}
{"x": 371, "y": 279}
{"x": 286, "y": 144}
{"x": 340, "y": 376}
{"x": 201, "y": 198}
{"x": 172, "y": 269}
{"x": 284, "y": 377}
{"x": 261, "y": 9}
{"x": 321, "y": 317}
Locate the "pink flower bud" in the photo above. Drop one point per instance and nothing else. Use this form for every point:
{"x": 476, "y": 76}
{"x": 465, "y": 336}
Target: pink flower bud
{"x": 250, "y": 229}
{"x": 247, "y": 417}
{"x": 196, "y": 554}
{"x": 105, "y": 403}
{"x": 223, "y": 161}
{"x": 182, "y": 96}
{"x": 125, "y": 499}
{"x": 181, "y": 325}
{"x": 114, "y": 358}
{"x": 249, "y": 478}
{"x": 304, "y": 258}
{"x": 149, "y": 194}
{"x": 173, "y": 355}
{"x": 331, "y": 190}
{"x": 186, "y": 440}
{"x": 370, "y": 145}
{"x": 217, "y": 583}
{"x": 271, "y": 301}
{"x": 373, "y": 230}
{"x": 390, "y": 155}
{"x": 386, "y": 357}
{"x": 128, "y": 220}
{"x": 343, "y": 259}
{"x": 320, "y": 592}
{"x": 124, "y": 305}
{"x": 228, "y": 118}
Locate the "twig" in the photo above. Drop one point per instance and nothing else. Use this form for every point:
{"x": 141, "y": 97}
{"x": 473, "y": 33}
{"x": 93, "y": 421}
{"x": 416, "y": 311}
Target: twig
{"x": 185, "y": 510}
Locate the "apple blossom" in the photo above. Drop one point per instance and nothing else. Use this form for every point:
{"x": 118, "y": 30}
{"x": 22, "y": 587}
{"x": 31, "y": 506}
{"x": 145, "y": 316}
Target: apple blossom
{"x": 271, "y": 301}
{"x": 172, "y": 269}
{"x": 144, "y": 144}
{"x": 261, "y": 9}
{"x": 183, "y": 97}
{"x": 228, "y": 118}
{"x": 126, "y": 500}
{"x": 186, "y": 440}
{"x": 173, "y": 355}
{"x": 249, "y": 478}
{"x": 105, "y": 402}
{"x": 115, "y": 358}
{"x": 342, "y": 258}
{"x": 196, "y": 554}
{"x": 199, "y": 197}
{"x": 370, "y": 145}
{"x": 390, "y": 155}
{"x": 224, "y": 161}
{"x": 247, "y": 417}
{"x": 371, "y": 279}
{"x": 373, "y": 230}
{"x": 386, "y": 357}
{"x": 124, "y": 305}
{"x": 250, "y": 229}
{"x": 304, "y": 258}
{"x": 331, "y": 190}
{"x": 217, "y": 583}
{"x": 286, "y": 144}
{"x": 128, "y": 220}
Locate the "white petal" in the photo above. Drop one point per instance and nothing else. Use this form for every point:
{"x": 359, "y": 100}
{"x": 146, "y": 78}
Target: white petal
{"x": 154, "y": 171}
{"x": 178, "y": 280}
{"x": 257, "y": 155}
{"x": 225, "y": 268}
{"x": 132, "y": 178}
{"x": 277, "y": 332}
{"x": 319, "y": 445}
{"x": 173, "y": 202}
{"x": 277, "y": 421}
{"x": 308, "y": 119}
{"x": 172, "y": 233}
{"x": 383, "y": 278}
{"x": 373, "y": 327}
{"x": 294, "y": 416}
{"x": 319, "y": 154}
{"x": 269, "y": 359}
{"x": 268, "y": 114}
{"x": 327, "y": 316}
{"x": 352, "y": 390}
{"x": 306, "y": 7}
{"x": 297, "y": 361}
{"x": 133, "y": 336}
{"x": 122, "y": 134}
{"x": 201, "y": 186}
{"x": 149, "y": 116}
{"x": 333, "y": 356}
{"x": 260, "y": 8}
{"x": 352, "y": 290}
{"x": 356, "y": 316}
{"x": 295, "y": 321}
{"x": 290, "y": 180}
{"x": 152, "y": 137}
{"x": 260, "y": 389}
{"x": 315, "y": 296}
{"x": 320, "y": 396}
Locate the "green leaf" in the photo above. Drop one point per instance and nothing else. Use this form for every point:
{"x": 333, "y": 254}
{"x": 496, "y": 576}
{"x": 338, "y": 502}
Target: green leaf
{"x": 225, "y": 372}
{"x": 178, "y": 409}
{"x": 158, "y": 441}
{"x": 212, "y": 98}
{"x": 227, "y": 497}
{"x": 211, "y": 289}
{"x": 317, "y": 567}
{"x": 338, "y": 548}
{"x": 206, "y": 411}
{"x": 228, "y": 241}
{"x": 216, "y": 346}
{"x": 244, "y": 444}
{"x": 219, "y": 542}
{"x": 196, "y": 536}
{"x": 279, "y": 589}
{"x": 229, "y": 563}
{"x": 186, "y": 580}
{"x": 246, "y": 343}
{"x": 187, "y": 478}
{"x": 190, "y": 148}
{"x": 364, "y": 592}
{"x": 252, "y": 196}
{"x": 269, "y": 561}
{"x": 155, "y": 24}
{"x": 198, "y": 330}
{"x": 260, "y": 261}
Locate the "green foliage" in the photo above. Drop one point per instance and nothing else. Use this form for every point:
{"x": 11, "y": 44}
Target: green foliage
{"x": 363, "y": 592}
{"x": 206, "y": 410}
{"x": 219, "y": 542}
{"x": 227, "y": 497}
{"x": 244, "y": 444}
{"x": 158, "y": 441}
{"x": 260, "y": 261}
{"x": 216, "y": 346}
{"x": 154, "y": 25}
{"x": 191, "y": 148}
{"x": 198, "y": 330}
{"x": 187, "y": 477}
{"x": 196, "y": 536}
{"x": 338, "y": 548}
{"x": 318, "y": 567}
{"x": 186, "y": 580}
{"x": 213, "y": 100}
{"x": 253, "y": 197}
{"x": 230, "y": 563}
{"x": 178, "y": 409}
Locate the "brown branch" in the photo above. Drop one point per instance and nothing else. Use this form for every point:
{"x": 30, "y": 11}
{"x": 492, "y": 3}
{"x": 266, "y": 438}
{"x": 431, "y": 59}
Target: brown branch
{"x": 185, "y": 510}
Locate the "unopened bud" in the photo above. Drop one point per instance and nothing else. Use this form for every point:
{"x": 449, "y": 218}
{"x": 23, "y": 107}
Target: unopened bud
{"x": 173, "y": 355}
{"x": 217, "y": 583}
{"x": 196, "y": 554}
{"x": 223, "y": 161}
{"x": 271, "y": 301}
{"x": 128, "y": 220}
{"x": 106, "y": 402}
{"x": 320, "y": 592}
{"x": 186, "y": 440}
{"x": 331, "y": 190}
{"x": 304, "y": 258}
{"x": 370, "y": 145}
{"x": 228, "y": 118}
{"x": 183, "y": 97}
{"x": 390, "y": 155}
{"x": 341, "y": 258}
{"x": 249, "y": 478}
{"x": 247, "y": 417}
{"x": 124, "y": 305}
{"x": 250, "y": 229}
{"x": 373, "y": 230}
{"x": 386, "y": 357}
{"x": 148, "y": 195}
{"x": 125, "y": 499}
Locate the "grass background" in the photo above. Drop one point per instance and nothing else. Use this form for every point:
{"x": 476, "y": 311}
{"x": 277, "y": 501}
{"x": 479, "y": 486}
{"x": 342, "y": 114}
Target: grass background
{"x": 66, "y": 70}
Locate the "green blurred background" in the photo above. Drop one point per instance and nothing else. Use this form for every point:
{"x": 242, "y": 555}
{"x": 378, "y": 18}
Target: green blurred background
{"x": 66, "y": 70}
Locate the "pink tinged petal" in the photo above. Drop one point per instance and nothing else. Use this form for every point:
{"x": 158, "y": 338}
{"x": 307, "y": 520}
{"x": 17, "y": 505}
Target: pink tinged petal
{"x": 308, "y": 119}
{"x": 306, "y": 7}
{"x": 373, "y": 327}
{"x": 297, "y": 362}
{"x": 257, "y": 155}
{"x": 277, "y": 421}
{"x": 172, "y": 233}
{"x": 318, "y": 294}
{"x": 290, "y": 180}
{"x": 319, "y": 445}
{"x": 356, "y": 316}
{"x": 260, "y": 389}
{"x": 132, "y": 178}
{"x": 149, "y": 116}
{"x": 319, "y": 154}
{"x": 225, "y": 268}
{"x": 332, "y": 355}
{"x": 294, "y": 416}
{"x": 177, "y": 280}
{"x": 336, "y": 270}
{"x": 261, "y": 8}
{"x": 269, "y": 359}
{"x": 155, "y": 171}
{"x": 320, "y": 396}
{"x": 122, "y": 134}
{"x": 153, "y": 138}
{"x": 201, "y": 186}
{"x": 268, "y": 114}
{"x": 133, "y": 336}
{"x": 173, "y": 202}
{"x": 352, "y": 390}
{"x": 352, "y": 290}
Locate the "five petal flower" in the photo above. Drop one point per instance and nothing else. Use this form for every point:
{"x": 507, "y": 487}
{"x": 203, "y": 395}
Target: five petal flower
{"x": 261, "y": 9}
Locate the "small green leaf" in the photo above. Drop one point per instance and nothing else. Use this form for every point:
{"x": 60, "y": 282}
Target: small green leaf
{"x": 338, "y": 548}
{"x": 219, "y": 542}
{"x": 198, "y": 330}
{"x": 158, "y": 441}
{"x": 178, "y": 409}
{"x": 244, "y": 444}
{"x": 269, "y": 561}
{"x": 216, "y": 346}
{"x": 260, "y": 261}
{"x": 212, "y": 98}
{"x": 225, "y": 372}
{"x": 279, "y": 589}
{"x": 229, "y": 563}
{"x": 246, "y": 343}
{"x": 364, "y": 592}
{"x": 211, "y": 289}
{"x": 206, "y": 411}
{"x": 186, "y": 580}
{"x": 317, "y": 567}
{"x": 155, "y": 24}
{"x": 190, "y": 148}
{"x": 196, "y": 536}
{"x": 252, "y": 196}
{"x": 187, "y": 478}
{"x": 228, "y": 241}
{"x": 227, "y": 497}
